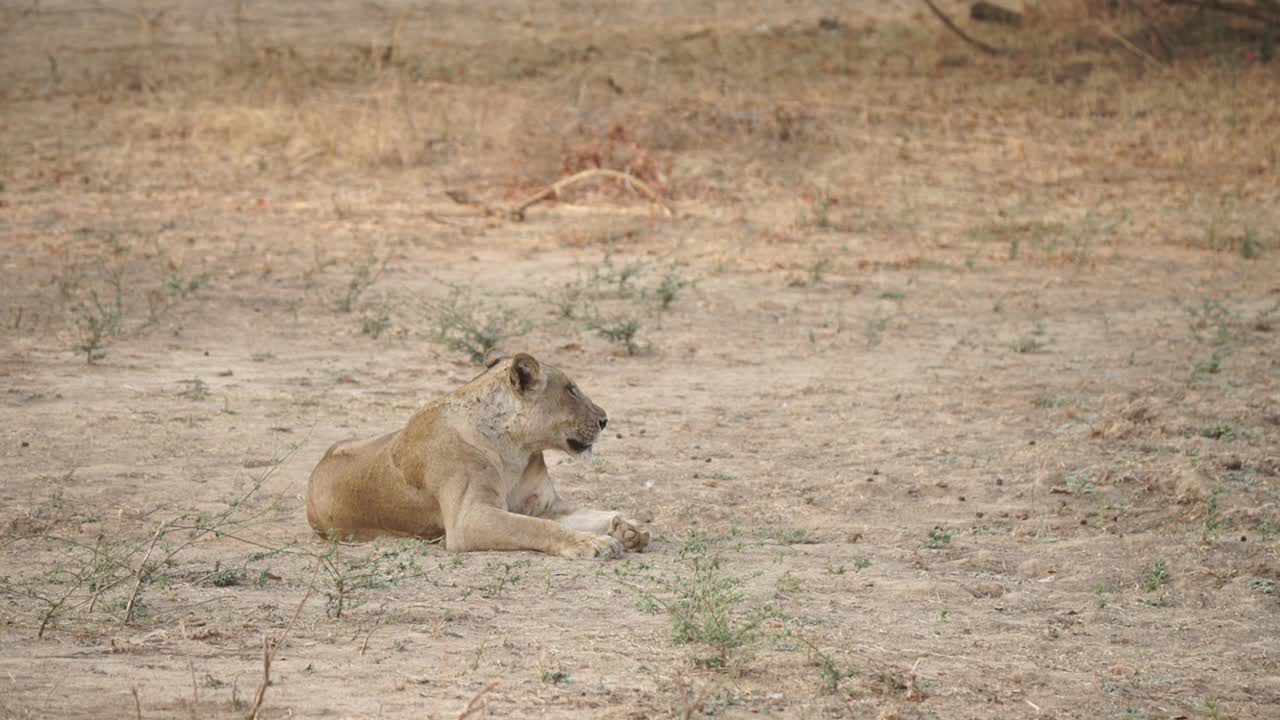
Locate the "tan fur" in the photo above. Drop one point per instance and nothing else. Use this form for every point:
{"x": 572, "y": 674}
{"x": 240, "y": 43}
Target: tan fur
{"x": 469, "y": 466}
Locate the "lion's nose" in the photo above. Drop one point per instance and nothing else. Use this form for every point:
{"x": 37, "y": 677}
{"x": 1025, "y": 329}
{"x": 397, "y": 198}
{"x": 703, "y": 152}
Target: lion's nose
{"x": 603, "y": 421}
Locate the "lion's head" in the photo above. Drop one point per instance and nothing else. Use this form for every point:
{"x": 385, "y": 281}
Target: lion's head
{"x": 554, "y": 412}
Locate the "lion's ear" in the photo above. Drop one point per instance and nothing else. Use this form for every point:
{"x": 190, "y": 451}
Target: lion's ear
{"x": 493, "y": 356}
{"x": 526, "y": 373}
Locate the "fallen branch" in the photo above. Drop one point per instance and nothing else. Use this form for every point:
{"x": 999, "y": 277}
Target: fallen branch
{"x": 269, "y": 649}
{"x": 142, "y": 573}
{"x": 475, "y": 705}
{"x": 990, "y": 50}
{"x": 554, "y": 190}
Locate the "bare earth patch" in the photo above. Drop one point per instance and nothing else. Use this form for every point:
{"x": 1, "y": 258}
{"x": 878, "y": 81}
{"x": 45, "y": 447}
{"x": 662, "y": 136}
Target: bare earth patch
{"x": 949, "y": 391}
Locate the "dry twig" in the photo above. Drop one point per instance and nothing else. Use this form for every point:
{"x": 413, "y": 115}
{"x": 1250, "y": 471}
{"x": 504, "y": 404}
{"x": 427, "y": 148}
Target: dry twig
{"x": 142, "y": 573}
{"x": 554, "y": 190}
{"x": 269, "y": 649}
{"x": 990, "y": 50}
{"x": 475, "y": 705}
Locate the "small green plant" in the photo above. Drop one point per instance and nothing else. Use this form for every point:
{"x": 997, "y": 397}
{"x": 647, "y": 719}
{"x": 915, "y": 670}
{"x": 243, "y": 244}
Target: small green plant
{"x": 1217, "y": 432}
{"x": 937, "y": 538}
{"x": 1211, "y": 366}
{"x": 197, "y": 389}
{"x": 705, "y": 610}
{"x": 621, "y": 330}
{"x": 466, "y": 325}
{"x": 1047, "y": 402}
{"x": 796, "y": 536}
{"x": 555, "y": 677}
{"x": 375, "y": 321}
{"x": 831, "y": 674}
{"x": 819, "y": 270}
{"x": 1250, "y": 244}
{"x": 669, "y": 287}
{"x": 97, "y": 321}
{"x": 1029, "y": 344}
{"x": 382, "y": 568}
{"x": 788, "y": 584}
{"x": 1266, "y": 586}
{"x": 228, "y": 577}
{"x": 502, "y": 575}
{"x": 1157, "y": 577}
{"x": 363, "y": 276}
{"x": 1081, "y": 484}
{"x": 1210, "y": 321}
{"x": 183, "y": 287}
{"x": 1214, "y": 522}
{"x": 892, "y": 295}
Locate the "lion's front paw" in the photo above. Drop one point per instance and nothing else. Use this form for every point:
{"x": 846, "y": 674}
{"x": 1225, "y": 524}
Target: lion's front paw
{"x": 632, "y": 536}
{"x": 594, "y": 546}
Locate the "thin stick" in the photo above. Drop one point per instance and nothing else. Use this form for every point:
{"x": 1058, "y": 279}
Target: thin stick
{"x": 475, "y": 705}
{"x": 368, "y": 635}
{"x": 560, "y": 185}
{"x": 142, "y": 573}
{"x": 195, "y": 691}
{"x": 137, "y": 703}
{"x": 269, "y": 651}
{"x": 988, "y": 49}
{"x": 1154, "y": 27}
{"x": 1127, "y": 45}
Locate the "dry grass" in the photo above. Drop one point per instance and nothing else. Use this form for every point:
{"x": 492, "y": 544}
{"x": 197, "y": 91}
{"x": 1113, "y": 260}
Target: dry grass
{"x": 692, "y": 96}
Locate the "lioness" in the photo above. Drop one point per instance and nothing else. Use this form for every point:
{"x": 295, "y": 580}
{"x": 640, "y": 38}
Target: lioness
{"x": 469, "y": 466}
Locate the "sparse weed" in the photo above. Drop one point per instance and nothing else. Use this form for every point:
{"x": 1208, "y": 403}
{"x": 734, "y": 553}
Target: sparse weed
{"x": 363, "y": 275}
{"x": 669, "y": 287}
{"x": 1218, "y": 432}
{"x": 197, "y": 389}
{"x": 621, "y": 330}
{"x": 819, "y": 271}
{"x": 464, "y": 324}
{"x": 1081, "y": 484}
{"x": 831, "y": 673}
{"x": 795, "y": 536}
{"x": 1266, "y": 586}
{"x": 384, "y": 567}
{"x": 502, "y": 575}
{"x": 1048, "y": 402}
{"x": 705, "y": 610}
{"x": 97, "y": 320}
{"x": 1211, "y": 321}
{"x": 1214, "y": 522}
{"x": 375, "y": 321}
{"x": 1157, "y": 577}
{"x": 1212, "y": 366}
{"x": 788, "y": 584}
{"x": 937, "y": 539}
{"x": 184, "y": 287}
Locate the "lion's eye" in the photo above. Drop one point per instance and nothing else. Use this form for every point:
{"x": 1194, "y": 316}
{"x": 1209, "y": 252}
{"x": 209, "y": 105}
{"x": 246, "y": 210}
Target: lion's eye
{"x": 573, "y": 390}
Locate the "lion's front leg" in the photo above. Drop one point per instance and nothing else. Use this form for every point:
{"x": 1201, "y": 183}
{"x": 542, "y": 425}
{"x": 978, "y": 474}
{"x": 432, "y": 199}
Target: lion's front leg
{"x": 601, "y": 522}
{"x": 474, "y": 524}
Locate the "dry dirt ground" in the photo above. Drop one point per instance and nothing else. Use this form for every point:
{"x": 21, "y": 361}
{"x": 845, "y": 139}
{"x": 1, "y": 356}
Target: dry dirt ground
{"x": 949, "y": 391}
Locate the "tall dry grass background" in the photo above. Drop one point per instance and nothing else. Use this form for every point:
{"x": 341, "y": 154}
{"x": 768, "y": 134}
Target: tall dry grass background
{"x": 507, "y": 97}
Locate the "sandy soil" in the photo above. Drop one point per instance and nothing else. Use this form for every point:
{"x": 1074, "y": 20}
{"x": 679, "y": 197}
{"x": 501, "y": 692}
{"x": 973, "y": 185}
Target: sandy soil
{"x": 952, "y": 388}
